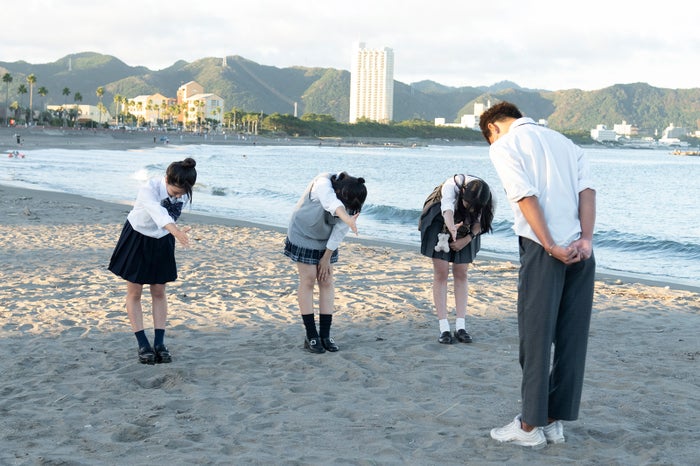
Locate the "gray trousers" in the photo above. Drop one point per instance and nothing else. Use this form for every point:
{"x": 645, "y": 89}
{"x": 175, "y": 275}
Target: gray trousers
{"x": 554, "y": 311}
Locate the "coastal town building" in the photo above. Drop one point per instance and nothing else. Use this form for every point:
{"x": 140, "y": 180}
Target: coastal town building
{"x": 372, "y": 84}
{"x": 85, "y": 113}
{"x": 197, "y": 106}
{"x": 602, "y": 134}
{"x": 671, "y": 136}
{"x": 151, "y": 109}
{"x": 470, "y": 121}
{"x": 625, "y": 129}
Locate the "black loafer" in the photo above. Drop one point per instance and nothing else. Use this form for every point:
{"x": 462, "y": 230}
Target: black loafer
{"x": 445, "y": 338}
{"x": 462, "y": 336}
{"x": 146, "y": 355}
{"x": 314, "y": 345}
{"x": 162, "y": 354}
{"x": 329, "y": 344}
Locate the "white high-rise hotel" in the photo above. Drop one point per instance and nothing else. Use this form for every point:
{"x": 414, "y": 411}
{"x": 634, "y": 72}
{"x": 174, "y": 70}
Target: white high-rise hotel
{"x": 372, "y": 84}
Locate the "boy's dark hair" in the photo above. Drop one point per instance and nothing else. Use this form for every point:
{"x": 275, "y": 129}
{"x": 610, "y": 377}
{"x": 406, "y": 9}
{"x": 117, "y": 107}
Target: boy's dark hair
{"x": 351, "y": 191}
{"x": 496, "y": 113}
{"x": 182, "y": 175}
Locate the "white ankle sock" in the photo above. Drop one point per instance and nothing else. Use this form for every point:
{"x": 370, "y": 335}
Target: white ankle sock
{"x": 444, "y": 325}
{"x": 460, "y": 323}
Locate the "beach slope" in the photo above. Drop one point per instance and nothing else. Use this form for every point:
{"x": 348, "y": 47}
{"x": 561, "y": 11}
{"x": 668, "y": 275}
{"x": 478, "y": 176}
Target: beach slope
{"x": 241, "y": 390}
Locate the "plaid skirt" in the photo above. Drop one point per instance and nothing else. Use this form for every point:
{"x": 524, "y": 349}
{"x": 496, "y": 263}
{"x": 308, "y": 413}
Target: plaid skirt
{"x": 306, "y": 255}
{"x": 141, "y": 259}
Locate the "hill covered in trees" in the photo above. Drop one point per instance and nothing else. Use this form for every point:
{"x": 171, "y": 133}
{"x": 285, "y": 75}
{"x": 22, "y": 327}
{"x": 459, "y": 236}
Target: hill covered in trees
{"x": 252, "y": 87}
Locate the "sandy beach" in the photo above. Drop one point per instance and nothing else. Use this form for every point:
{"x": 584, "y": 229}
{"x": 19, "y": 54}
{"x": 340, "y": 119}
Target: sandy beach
{"x": 241, "y": 390}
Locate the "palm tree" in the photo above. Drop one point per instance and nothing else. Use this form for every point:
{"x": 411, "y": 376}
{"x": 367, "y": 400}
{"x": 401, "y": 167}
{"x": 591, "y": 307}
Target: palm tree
{"x": 101, "y": 107}
{"x": 99, "y": 93}
{"x": 42, "y": 91}
{"x": 31, "y": 79}
{"x": 66, "y": 93}
{"x": 77, "y": 97}
{"x": 117, "y": 101}
{"x": 7, "y": 79}
{"x": 21, "y": 90}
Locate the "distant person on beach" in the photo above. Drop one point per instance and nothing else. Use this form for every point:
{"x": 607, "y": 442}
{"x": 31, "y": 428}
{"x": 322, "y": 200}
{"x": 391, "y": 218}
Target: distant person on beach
{"x": 327, "y": 210}
{"x": 548, "y": 184}
{"x": 461, "y": 208}
{"x": 145, "y": 252}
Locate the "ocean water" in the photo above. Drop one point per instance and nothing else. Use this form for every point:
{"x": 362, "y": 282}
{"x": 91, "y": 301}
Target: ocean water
{"x": 648, "y": 216}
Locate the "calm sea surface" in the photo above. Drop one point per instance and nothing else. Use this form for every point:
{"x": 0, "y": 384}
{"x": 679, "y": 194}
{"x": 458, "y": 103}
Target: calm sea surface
{"x": 648, "y": 221}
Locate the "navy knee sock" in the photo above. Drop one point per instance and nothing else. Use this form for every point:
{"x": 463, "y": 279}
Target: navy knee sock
{"x": 160, "y": 335}
{"x": 324, "y": 324}
{"x": 142, "y": 339}
{"x": 310, "y": 325}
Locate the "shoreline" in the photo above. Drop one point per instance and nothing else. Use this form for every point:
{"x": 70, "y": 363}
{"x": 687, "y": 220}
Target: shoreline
{"x": 38, "y": 137}
{"x": 241, "y": 389}
{"x": 612, "y": 278}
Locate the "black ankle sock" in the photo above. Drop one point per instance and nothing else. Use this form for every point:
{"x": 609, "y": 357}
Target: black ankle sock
{"x": 324, "y": 324}
{"x": 160, "y": 335}
{"x": 142, "y": 339}
{"x": 310, "y": 325}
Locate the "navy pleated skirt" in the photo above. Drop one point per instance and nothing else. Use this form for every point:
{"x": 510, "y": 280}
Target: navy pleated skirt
{"x": 433, "y": 224}
{"x": 141, "y": 259}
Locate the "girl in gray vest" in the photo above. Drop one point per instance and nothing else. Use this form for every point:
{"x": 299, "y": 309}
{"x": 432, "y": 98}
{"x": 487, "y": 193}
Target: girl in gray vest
{"x": 327, "y": 210}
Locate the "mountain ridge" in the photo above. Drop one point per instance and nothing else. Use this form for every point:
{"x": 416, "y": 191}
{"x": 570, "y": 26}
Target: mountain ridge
{"x": 253, "y": 87}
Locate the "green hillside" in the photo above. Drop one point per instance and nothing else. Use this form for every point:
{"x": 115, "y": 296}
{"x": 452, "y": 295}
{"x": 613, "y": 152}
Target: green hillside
{"x": 252, "y": 87}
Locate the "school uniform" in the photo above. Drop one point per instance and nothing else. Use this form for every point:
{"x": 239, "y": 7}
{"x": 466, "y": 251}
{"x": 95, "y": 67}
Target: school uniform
{"x": 433, "y": 223}
{"x": 314, "y": 227}
{"x": 145, "y": 252}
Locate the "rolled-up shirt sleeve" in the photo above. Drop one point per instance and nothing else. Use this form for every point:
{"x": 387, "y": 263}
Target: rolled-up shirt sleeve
{"x": 323, "y": 191}
{"x": 513, "y": 177}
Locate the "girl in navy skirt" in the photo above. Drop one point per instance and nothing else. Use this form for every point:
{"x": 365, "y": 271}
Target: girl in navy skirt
{"x": 145, "y": 252}
{"x": 465, "y": 211}
{"x": 327, "y": 210}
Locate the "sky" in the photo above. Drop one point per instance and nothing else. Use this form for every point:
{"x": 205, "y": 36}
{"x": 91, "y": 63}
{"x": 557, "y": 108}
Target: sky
{"x": 547, "y": 44}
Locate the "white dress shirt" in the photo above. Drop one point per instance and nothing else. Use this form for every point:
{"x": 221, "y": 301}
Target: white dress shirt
{"x": 532, "y": 160}
{"x": 148, "y": 216}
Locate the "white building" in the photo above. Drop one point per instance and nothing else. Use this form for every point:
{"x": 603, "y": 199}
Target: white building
{"x": 151, "y": 108}
{"x": 85, "y": 113}
{"x": 671, "y": 135}
{"x": 602, "y": 134}
{"x": 625, "y": 129}
{"x": 196, "y": 105}
{"x": 470, "y": 121}
{"x": 372, "y": 84}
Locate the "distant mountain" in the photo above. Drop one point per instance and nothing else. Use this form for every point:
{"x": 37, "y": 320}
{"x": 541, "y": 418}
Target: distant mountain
{"x": 253, "y": 87}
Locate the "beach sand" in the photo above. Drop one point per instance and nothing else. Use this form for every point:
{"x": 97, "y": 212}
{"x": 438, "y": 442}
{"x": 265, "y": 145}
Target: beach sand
{"x": 241, "y": 390}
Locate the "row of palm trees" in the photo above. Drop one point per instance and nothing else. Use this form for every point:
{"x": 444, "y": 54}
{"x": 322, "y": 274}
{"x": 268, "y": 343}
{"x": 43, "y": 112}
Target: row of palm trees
{"x": 16, "y": 106}
{"x": 235, "y": 119}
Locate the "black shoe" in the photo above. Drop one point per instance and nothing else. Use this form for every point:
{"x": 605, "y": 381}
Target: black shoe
{"x": 462, "y": 336}
{"x": 329, "y": 344}
{"x": 445, "y": 338}
{"x": 314, "y": 345}
{"x": 162, "y": 354}
{"x": 146, "y": 355}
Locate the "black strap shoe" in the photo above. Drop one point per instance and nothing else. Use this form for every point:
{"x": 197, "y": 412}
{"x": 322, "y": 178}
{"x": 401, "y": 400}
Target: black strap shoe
{"x": 146, "y": 355}
{"x": 462, "y": 336}
{"x": 314, "y": 345}
{"x": 445, "y": 338}
{"x": 329, "y": 344}
{"x": 162, "y": 354}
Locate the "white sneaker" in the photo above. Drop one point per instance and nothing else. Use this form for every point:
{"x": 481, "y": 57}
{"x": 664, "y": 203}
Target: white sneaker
{"x": 514, "y": 433}
{"x": 554, "y": 432}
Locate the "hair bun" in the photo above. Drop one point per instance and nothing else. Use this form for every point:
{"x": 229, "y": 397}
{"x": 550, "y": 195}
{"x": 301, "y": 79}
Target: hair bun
{"x": 189, "y": 163}
{"x": 361, "y": 180}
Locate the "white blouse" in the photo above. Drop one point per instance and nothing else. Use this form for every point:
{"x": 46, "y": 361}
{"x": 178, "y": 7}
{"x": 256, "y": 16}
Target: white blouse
{"x": 148, "y": 216}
